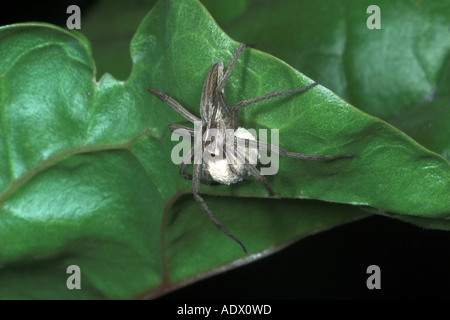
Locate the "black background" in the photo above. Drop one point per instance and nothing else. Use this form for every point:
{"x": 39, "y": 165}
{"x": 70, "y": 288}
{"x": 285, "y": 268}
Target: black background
{"x": 414, "y": 262}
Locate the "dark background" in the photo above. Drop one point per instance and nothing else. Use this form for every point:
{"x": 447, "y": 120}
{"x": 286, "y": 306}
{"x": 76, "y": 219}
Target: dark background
{"x": 331, "y": 265}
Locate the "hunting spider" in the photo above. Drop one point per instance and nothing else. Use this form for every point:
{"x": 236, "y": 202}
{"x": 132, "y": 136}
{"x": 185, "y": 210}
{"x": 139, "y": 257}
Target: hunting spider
{"x": 226, "y": 166}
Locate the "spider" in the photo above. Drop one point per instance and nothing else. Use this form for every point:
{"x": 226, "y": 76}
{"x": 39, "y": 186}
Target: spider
{"x": 224, "y": 166}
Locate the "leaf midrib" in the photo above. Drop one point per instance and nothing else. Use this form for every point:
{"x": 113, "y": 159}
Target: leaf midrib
{"x": 126, "y": 145}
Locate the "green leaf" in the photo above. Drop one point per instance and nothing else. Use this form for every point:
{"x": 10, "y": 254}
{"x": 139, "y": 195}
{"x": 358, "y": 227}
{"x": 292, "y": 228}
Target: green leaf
{"x": 87, "y": 180}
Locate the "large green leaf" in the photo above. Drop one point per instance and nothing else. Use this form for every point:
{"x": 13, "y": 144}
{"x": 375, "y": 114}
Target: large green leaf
{"x": 86, "y": 175}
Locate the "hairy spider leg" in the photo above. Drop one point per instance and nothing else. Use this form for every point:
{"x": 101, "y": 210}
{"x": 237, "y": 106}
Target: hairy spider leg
{"x": 196, "y": 191}
{"x": 270, "y": 95}
{"x": 294, "y": 155}
{"x": 227, "y": 74}
{"x": 174, "y": 105}
{"x": 252, "y": 170}
{"x": 174, "y": 126}
{"x": 187, "y": 160}
{"x": 221, "y": 87}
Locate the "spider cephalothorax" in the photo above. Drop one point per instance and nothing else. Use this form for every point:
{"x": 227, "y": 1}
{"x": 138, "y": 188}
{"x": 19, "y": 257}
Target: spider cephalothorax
{"x": 217, "y": 163}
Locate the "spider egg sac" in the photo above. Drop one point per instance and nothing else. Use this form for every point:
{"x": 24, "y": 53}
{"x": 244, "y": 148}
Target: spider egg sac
{"x": 219, "y": 169}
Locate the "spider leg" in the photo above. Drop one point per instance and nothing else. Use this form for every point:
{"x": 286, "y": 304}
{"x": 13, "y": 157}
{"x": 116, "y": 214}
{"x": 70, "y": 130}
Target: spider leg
{"x": 258, "y": 176}
{"x": 294, "y": 155}
{"x": 254, "y": 172}
{"x": 270, "y": 95}
{"x": 227, "y": 74}
{"x": 174, "y": 127}
{"x": 220, "y": 88}
{"x": 187, "y": 160}
{"x": 174, "y": 105}
{"x": 196, "y": 191}
{"x": 223, "y": 104}
{"x": 207, "y": 175}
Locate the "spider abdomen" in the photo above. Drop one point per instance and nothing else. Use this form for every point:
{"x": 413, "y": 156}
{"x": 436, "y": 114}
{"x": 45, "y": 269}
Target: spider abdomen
{"x": 230, "y": 168}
